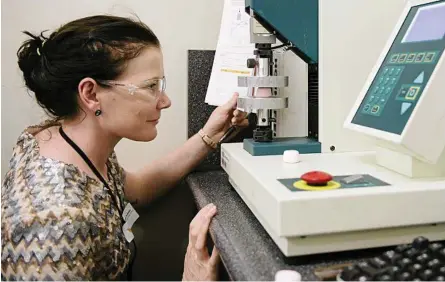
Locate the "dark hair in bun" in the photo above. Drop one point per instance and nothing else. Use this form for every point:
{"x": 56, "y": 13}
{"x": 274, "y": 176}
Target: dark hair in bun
{"x": 96, "y": 47}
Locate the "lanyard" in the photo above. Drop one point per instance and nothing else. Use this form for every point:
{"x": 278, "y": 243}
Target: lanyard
{"x": 92, "y": 167}
{"x": 96, "y": 172}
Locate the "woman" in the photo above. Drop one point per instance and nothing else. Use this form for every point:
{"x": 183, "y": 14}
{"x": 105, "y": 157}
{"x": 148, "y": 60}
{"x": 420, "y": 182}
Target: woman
{"x": 65, "y": 200}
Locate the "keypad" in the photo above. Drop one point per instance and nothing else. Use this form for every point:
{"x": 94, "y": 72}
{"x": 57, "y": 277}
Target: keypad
{"x": 382, "y": 90}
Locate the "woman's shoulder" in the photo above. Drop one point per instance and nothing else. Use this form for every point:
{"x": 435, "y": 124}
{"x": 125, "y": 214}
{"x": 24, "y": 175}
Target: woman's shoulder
{"x": 38, "y": 183}
{"x": 35, "y": 185}
{"x": 27, "y": 143}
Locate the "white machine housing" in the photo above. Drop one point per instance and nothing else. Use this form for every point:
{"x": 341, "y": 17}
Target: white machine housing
{"x": 303, "y": 223}
{"x": 419, "y": 150}
{"x": 306, "y": 222}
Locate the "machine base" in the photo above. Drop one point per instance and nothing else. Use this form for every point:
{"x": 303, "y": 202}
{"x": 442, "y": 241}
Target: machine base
{"x": 364, "y": 215}
{"x": 344, "y": 241}
{"x": 303, "y": 145}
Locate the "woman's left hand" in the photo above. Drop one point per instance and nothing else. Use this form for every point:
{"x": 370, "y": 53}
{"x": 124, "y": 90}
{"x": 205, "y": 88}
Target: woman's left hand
{"x": 198, "y": 264}
{"x": 223, "y": 117}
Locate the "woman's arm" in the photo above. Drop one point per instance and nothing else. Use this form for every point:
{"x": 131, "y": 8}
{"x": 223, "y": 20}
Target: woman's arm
{"x": 162, "y": 174}
{"x": 154, "y": 179}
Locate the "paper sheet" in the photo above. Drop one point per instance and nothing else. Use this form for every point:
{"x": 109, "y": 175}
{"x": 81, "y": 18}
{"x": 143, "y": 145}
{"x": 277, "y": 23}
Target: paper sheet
{"x": 233, "y": 50}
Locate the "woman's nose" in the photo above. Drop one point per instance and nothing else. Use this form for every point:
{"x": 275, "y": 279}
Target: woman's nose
{"x": 164, "y": 101}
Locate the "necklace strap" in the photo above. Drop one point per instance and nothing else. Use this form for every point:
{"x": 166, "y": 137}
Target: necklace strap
{"x": 92, "y": 167}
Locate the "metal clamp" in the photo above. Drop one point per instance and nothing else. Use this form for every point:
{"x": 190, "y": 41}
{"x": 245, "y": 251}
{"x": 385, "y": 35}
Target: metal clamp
{"x": 250, "y": 104}
{"x": 263, "y": 81}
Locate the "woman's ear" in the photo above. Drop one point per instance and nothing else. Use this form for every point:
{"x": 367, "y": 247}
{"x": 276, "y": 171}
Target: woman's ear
{"x": 88, "y": 94}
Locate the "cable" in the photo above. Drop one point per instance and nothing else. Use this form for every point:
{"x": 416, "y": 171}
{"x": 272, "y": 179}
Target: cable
{"x": 285, "y": 45}
{"x": 279, "y": 46}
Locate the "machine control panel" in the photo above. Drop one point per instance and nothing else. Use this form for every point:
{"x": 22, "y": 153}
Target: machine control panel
{"x": 406, "y": 70}
{"x": 334, "y": 182}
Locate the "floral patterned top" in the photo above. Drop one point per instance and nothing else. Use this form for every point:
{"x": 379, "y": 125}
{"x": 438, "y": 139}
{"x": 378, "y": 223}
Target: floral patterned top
{"x": 58, "y": 223}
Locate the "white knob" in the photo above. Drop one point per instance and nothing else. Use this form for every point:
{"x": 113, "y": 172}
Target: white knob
{"x": 287, "y": 275}
{"x": 291, "y": 156}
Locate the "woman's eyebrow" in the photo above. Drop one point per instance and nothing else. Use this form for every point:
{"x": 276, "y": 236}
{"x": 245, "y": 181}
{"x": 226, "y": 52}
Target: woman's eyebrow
{"x": 153, "y": 78}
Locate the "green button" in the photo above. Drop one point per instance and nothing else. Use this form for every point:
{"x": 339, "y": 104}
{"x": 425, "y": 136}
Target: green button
{"x": 398, "y": 71}
{"x": 366, "y": 108}
{"x": 420, "y": 57}
{"x": 403, "y": 91}
{"x": 402, "y": 58}
{"x": 412, "y": 93}
{"x": 393, "y": 81}
{"x": 380, "y": 80}
{"x": 411, "y": 58}
{"x": 429, "y": 58}
{"x": 394, "y": 58}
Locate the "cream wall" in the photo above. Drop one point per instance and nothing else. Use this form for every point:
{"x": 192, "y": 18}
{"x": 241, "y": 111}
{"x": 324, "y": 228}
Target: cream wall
{"x": 179, "y": 24}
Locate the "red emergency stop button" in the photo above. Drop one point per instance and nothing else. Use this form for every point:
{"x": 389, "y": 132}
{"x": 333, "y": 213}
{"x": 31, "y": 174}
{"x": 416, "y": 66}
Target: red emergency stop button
{"x": 316, "y": 178}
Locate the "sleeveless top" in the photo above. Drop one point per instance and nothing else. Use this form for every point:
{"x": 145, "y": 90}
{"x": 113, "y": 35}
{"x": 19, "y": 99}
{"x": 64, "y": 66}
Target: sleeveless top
{"x": 57, "y": 222}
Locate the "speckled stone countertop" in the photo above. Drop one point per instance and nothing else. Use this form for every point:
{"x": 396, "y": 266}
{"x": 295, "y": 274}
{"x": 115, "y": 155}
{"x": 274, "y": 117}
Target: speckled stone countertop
{"x": 246, "y": 249}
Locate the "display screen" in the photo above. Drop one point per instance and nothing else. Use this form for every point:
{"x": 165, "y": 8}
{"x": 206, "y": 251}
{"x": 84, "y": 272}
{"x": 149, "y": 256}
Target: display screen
{"x": 428, "y": 24}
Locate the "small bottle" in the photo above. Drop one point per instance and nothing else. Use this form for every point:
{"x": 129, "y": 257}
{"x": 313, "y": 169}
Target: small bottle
{"x": 287, "y": 276}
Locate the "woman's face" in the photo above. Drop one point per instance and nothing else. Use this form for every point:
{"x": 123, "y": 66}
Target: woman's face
{"x": 131, "y": 107}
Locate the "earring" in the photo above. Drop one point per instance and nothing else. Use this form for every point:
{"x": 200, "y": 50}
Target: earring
{"x": 98, "y": 112}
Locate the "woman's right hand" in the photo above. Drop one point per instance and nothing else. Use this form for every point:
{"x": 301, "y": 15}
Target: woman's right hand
{"x": 198, "y": 265}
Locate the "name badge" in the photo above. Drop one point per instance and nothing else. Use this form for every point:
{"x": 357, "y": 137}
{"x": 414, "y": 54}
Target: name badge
{"x": 130, "y": 216}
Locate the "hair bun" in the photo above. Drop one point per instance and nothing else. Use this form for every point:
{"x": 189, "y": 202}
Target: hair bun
{"x": 29, "y": 59}
{"x": 29, "y": 53}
